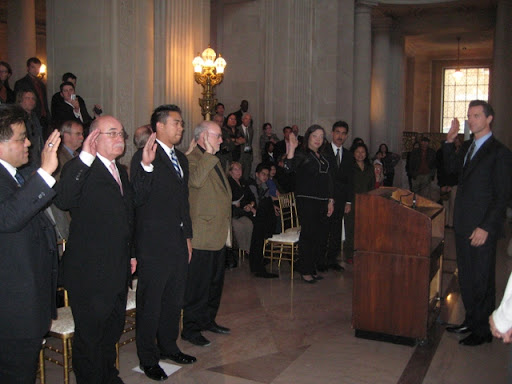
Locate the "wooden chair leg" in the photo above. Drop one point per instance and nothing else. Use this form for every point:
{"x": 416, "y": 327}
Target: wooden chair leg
{"x": 42, "y": 377}
{"x": 65, "y": 355}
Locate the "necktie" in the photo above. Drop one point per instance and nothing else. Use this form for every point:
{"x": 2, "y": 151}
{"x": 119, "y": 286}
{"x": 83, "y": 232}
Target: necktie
{"x": 75, "y": 154}
{"x": 175, "y": 163}
{"x": 115, "y": 173}
{"x": 19, "y": 178}
{"x": 338, "y": 157}
{"x": 470, "y": 153}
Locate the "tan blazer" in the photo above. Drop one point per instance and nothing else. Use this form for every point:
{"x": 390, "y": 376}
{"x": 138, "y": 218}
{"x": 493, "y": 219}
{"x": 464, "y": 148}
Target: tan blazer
{"x": 210, "y": 202}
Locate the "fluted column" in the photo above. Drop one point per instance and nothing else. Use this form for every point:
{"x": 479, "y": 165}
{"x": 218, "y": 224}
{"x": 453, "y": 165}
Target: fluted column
{"x": 362, "y": 69}
{"x": 182, "y": 29}
{"x": 396, "y": 111}
{"x": 501, "y": 90}
{"x": 21, "y": 35}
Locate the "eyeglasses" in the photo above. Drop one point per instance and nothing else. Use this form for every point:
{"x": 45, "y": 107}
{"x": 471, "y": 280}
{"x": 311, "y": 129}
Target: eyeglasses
{"x": 113, "y": 134}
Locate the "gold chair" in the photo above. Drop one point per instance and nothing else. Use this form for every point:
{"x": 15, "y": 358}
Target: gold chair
{"x": 284, "y": 246}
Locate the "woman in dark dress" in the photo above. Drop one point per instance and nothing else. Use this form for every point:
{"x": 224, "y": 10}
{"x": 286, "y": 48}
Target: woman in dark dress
{"x": 314, "y": 195}
{"x": 6, "y": 93}
{"x": 389, "y": 161}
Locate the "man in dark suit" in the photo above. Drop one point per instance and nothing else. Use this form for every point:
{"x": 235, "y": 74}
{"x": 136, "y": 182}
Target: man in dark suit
{"x": 342, "y": 163}
{"x": 96, "y": 263}
{"x": 163, "y": 241}
{"x": 210, "y": 211}
{"x": 70, "y": 107}
{"x": 33, "y": 83}
{"x": 246, "y": 155}
{"x": 485, "y": 176}
{"x": 27, "y": 100}
{"x": 244, "y": 107}
{"x": 28, "y": 250}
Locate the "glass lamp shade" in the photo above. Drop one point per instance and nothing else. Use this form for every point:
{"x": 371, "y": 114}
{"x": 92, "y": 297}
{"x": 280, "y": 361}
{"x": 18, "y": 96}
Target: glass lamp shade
{"x": 220, "y": 64}
{"x": 198, "y": 64}
{"x": 42, "y": 69}
{"x": 458, "y": 74}
{"x": 208, "y": 57}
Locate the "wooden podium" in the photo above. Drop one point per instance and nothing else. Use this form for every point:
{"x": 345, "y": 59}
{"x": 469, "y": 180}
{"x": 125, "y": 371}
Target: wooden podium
{"x": 398, "y": 257}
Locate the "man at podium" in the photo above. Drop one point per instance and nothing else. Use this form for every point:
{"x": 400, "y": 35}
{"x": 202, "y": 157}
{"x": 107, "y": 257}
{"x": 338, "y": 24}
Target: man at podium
{"x": 484, "y": 165}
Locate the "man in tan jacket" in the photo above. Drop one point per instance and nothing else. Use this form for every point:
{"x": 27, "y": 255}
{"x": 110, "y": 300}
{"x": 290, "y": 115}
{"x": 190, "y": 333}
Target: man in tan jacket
{"x": 210, "y": 211}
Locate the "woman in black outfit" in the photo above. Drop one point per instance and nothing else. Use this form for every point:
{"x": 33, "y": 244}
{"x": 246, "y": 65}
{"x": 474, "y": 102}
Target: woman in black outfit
{"x": 6, "y": 93}
{"x": 313, "y": 192}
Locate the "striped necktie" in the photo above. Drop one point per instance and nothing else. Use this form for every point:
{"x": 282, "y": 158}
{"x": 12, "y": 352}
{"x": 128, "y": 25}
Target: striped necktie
{"x": 19, "y": 178}
{"x": 175, "y": 163}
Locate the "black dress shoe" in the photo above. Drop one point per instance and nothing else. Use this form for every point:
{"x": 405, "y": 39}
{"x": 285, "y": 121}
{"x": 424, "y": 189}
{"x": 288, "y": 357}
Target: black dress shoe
{"x": 322, "y": 268}
{"x": 474, "y": 340}
{"x": 216, "y": 328}
{"x": 266, "y": 275}
{"x": 312, "y": 281}
{"x": 198, "y": 340}
{"x": 179, "y": 358}
{"x": 460, "y": 329}
{"x": 154, "y": 372}
{"x": 336, "y": 267}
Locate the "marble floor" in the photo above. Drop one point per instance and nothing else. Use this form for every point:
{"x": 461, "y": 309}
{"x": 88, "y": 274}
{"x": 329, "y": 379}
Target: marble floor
{"x": 289, "y": 332}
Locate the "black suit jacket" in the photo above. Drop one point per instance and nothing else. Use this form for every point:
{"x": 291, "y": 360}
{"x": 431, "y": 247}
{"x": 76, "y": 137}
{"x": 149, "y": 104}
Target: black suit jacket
{"x": 62, "y": 111}
{"x": 28, "y": 258}
{"x": 162, "y": 213}
{"x": 342, "y": 176}
{"x": 484, "y": 187}
{"x": 25, "y": 83}
{"x": 96, "y": 263}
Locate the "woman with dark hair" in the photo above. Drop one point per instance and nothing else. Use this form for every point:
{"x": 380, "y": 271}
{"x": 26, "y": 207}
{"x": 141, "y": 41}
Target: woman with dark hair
{"x": 314, "y": 195}
{"x": 267, "y": 137}
{"x": 268, "y": 156}
{"x": 7, "y": 95}
{"x": 389, "y": 161}
{"x": 232, "y": 139}
{"x": 357, "y": 140}
{"x": 363, "y": 181}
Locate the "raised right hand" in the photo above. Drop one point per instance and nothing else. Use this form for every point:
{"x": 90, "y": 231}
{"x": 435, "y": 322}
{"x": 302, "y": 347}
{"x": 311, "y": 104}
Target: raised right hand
{"x": 89, "y": 144}
{"x": 49, "y": 159}
{"x": 453, "y": 132}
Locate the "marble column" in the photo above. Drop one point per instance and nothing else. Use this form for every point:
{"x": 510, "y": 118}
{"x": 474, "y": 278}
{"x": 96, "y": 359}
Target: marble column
{"x": 21, "y": 34}
{"x": 396, "y": 110}
{"x": 362, "y": 69}
{"x": 182, "y": 29}
{"x": 501, "y": 87}
{"x": 380, "y": 98}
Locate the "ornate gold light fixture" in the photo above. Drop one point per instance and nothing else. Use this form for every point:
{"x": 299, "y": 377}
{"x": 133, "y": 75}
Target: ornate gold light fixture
{"x": 458, "y": 73}
{"x": 208, "y": 72}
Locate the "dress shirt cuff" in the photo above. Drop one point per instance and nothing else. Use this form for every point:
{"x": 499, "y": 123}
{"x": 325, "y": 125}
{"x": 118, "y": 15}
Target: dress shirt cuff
{"x": 48, "y": 179}
{"x": 349, "y": 203}
{"x": 87, "y": 158}
{"x": 148, "y": 168}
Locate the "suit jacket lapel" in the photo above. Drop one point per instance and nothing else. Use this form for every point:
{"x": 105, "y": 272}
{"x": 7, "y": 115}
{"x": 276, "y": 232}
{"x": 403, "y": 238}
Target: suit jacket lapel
{"x": 7, "y": 176}
{"x": 482, "y": 152}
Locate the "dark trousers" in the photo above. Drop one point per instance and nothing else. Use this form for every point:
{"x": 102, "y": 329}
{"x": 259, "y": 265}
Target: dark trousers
{"x": 160, "y": 296}
{"x": 313, "y": 233}
{"x": 477, "y": 275}
{"x": 204, "y": 290}
{"x": 96, "y": 333}
{"x": 263, "y": 227}
{"x": 18, "y": 360}
{"x": 334, "y": 239}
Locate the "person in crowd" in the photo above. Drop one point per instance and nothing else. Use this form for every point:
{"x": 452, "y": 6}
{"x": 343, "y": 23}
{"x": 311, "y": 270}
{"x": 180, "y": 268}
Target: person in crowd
{"x": 27, "y": 100}
{"x": 341, "y": 163}
{"x": 28, "y": 249}
{"x": 315, "y": 199}
{"x": 363, "y": 181}
{"x": 415, "y": 146}
{"x": 378, "y": 169}
{"x": 355, "y": 142}
{"x": 243, "y": 209}
{"x": 274, "y": 189}
{"x": 483, "y": 192}
{"x": 447, "y": 183}
{"x": 210, "y": 211}
{"x": 267, "y": 136}
{"x": 219, "y": 111}
{"x": 141, "y": 136}
{"x": 244, "y": 107}
{"x": 163, "y": 244}
{"x": 389, "y": 161}
{"x": 33, "y": 83}
{"x": 280, "y": 147}
{"x": 268, "y": 154}
{"x": 295, "y": 131}
{"x": 232, "y": 141}
{"x": 219, "y": 120}
{"x": 247, "y": 132}
{"x": 70, "y": 107}
{"x": 422, "y": 167}
{"x": 285, "y": 179}
{"x": 7, "y": 95}
{"x": 96, "y": 263}
{"x": 264, "y": 221}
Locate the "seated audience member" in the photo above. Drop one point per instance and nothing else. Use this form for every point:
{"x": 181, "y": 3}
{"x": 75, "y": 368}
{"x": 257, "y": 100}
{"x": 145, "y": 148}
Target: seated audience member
{"x": 389, "y": 161}
{"x": 70, "y": 107}
{"x": 273, "y": 186}
{"x": 7, "y": 95}
{"x": 285, "y": 179}
{"x": 363, "y": 181}
{"x": 264, "y": 221}
{"x": 243, "y": 209}
{"x": 268, "y": 154}
{"x": 379, "y": 173}
{"x": 295, "y": 130}
{"x": 280, "y": 147}
{"x": 27, "y": 100}
{"x": 266, "y": 137}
